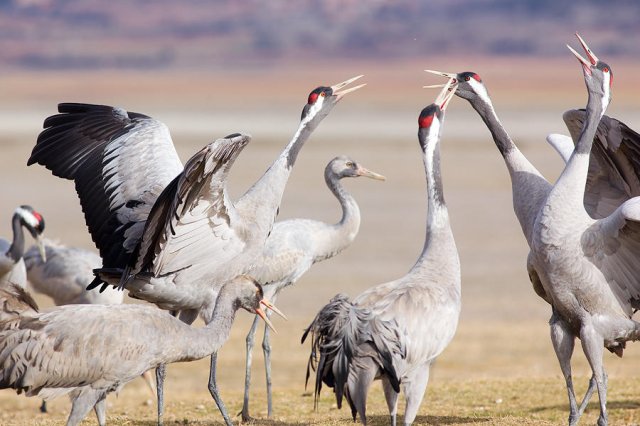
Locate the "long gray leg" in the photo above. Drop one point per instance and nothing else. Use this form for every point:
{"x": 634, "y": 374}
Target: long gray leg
{"x": 392, "y": 400}
{"x": 247, "y": 370}
{"x": 161, "y": 372}
{"x": 101, "y": 410}
{"x": 563, "y": 343}
{"x": 593, "y": 347}
{"x": 81, "y": 405}
{"x": 414, "y": 389}
{"x": 266, "y": 349}
{"x": 213, "y": 389}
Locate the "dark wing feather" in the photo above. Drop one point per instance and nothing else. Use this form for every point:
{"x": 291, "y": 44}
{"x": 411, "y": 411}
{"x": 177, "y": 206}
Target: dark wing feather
{"x": 194, "y": 212}
{"x": 614, "y": 167}
{"x": 119, "y": 161}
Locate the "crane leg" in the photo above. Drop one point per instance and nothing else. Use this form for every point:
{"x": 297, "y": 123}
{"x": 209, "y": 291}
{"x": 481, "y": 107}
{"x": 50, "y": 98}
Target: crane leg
{"x": 82, "y": 403}
{"x": 266, "y": 349}
{"x": 392, "y": 400}
{"x": 213, "y": 389}
{"x": 391, "y": 396}
{"x": 563, "y": 344}
{"x": 101, "y": 410}
{"x": 161, "y": 372}
{"x": 247, "y": 372}
{"x": 593, "y": 347}
{"x": 414, "y": 389}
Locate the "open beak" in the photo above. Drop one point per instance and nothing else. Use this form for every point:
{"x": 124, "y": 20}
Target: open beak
{"x": 368, "y": 173}
{"x": 586, "y": 64}
{"x": 269, "y": 305}
{"x": 448, "y": 75}
{"x": 41, "y": 248}
{"x": 339, "y": 94}
{"x": 262, "y": 315}
{"x": 447, "y": 92}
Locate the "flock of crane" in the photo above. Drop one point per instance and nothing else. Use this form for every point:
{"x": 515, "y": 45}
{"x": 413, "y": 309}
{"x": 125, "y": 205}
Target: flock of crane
{"x": 172, "y": 236}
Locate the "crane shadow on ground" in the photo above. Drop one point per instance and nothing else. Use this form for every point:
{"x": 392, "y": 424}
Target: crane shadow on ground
{"x": 257, "y": 422}
{"x": 429, "y": 420}
{"x": 593, "y": 405}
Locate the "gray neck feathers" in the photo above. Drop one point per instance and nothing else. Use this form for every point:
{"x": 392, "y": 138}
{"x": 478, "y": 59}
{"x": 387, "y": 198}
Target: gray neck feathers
{"x": 499, "y": 134}
{"x": 589, "y": 127}
{"x": 344, "y": 232}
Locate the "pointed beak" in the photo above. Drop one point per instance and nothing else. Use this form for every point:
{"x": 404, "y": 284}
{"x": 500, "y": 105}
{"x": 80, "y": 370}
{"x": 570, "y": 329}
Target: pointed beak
{"x": 449, "y": 75}
{"x": 262, "y": 315}
{"x": 41, "y": 248}
{"x": 586, "y": 64}
{"x": 361, "y": 171}
{"x": 339, "y": 94}
{"x": 446, "y": 94}
{"x": 269, "y": 305}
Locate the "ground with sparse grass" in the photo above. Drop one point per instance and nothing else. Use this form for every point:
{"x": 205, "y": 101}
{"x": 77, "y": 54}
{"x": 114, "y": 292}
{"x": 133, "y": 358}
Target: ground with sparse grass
{"x": 500, "y": 368}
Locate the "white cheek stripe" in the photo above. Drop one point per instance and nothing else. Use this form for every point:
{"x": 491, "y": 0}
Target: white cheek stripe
{"x": 28, "y": 217}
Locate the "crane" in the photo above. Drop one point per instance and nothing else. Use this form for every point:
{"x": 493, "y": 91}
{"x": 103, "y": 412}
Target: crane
{"x": 395, "y": 331}
{"x": 169, "y": 235}
{"x": 295, "y": 245}
{"x": 12, "y": 268}
{"x": 88, "y": 351}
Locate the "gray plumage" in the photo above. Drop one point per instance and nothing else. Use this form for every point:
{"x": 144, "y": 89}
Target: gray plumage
{"x": 65, "y": 275}
{"x": 394, "y": 331}
{"x": 581, "y": 231}
{"x": 91, "y": 350}
{"x": 169, "y": 235}
{"x": 295, "y": 245}
{"x": 12, "y": 269}
{"x": 15, "y": 302}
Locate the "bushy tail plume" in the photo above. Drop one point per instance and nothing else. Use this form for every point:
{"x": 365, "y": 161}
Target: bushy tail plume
{"x": 343, "y": 332}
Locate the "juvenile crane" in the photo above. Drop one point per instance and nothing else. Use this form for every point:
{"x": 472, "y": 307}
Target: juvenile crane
{"x": 394, "y": 331}
{"x": 171, "y": 236}
{"x": 12, "y": 270}
{"x": 90, "y": 350}
{"x": 295, "y": 245}
{"x": 64, "y": 277}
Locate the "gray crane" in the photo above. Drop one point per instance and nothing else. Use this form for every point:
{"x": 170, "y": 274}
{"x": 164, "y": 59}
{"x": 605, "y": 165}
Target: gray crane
{"x": 580, "y": 268}
{"x": 12, "y": 269}
{"x": 171, "y": 236}
{"x": 64, "y": 277}
{"x": 88, "y": 351}
{"x": 395, "y": 331}
{"x": 294, "y": 246}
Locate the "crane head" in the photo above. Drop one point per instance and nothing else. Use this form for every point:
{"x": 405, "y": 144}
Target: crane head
{"x": 34, "y": 222}
{"x": 249, "y": 295}
{"x": 431, "y": 117}
{"x": 598, "y": 76}
{"x": 323, "y": 98}
{"x": 344, "y": 166}
{"x": 470, "y": 85}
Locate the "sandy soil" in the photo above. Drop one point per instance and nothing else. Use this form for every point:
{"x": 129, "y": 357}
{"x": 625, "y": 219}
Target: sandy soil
{"x": 502, "y": 334}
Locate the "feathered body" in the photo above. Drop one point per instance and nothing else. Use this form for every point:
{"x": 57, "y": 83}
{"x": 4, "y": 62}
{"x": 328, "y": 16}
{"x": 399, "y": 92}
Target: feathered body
{"x": 394, "y": 331}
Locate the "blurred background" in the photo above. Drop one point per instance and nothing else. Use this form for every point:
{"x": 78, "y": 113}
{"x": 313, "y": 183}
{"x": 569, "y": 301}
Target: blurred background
{"x": 210, "y": 68}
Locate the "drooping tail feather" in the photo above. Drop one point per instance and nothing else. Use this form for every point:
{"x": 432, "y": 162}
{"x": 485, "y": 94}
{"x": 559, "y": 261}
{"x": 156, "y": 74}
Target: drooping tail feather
{"x": 341, "y": 334}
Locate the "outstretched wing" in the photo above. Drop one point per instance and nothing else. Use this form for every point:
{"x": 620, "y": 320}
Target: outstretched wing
{"x": 612, "y": 244}
{"x": 120, "y": 162}
{"x": 193, "y": 220}
{"x": 614, "y": 167}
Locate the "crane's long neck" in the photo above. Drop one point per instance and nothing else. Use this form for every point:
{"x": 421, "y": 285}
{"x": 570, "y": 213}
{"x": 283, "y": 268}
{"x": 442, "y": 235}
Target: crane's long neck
{"x": 529, "y": 188}
{"x": 16, "y": 250}
{"x": 259, "y": 205}
{"x": 342, "y": 234}
{"x": 572, "y": 182}
{"x": 202, "y": 342}
{"x": 438, "y": 233}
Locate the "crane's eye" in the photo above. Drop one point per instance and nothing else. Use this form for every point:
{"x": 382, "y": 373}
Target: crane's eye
{"x": 605, "y": 69}
{"x": 467, "y": 78}
{"x": 350, "y": 164}
{"x": 323, "y": 94}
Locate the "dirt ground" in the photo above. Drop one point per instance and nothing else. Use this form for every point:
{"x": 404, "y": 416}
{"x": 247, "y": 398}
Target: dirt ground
{"x": 500, "y": 367}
